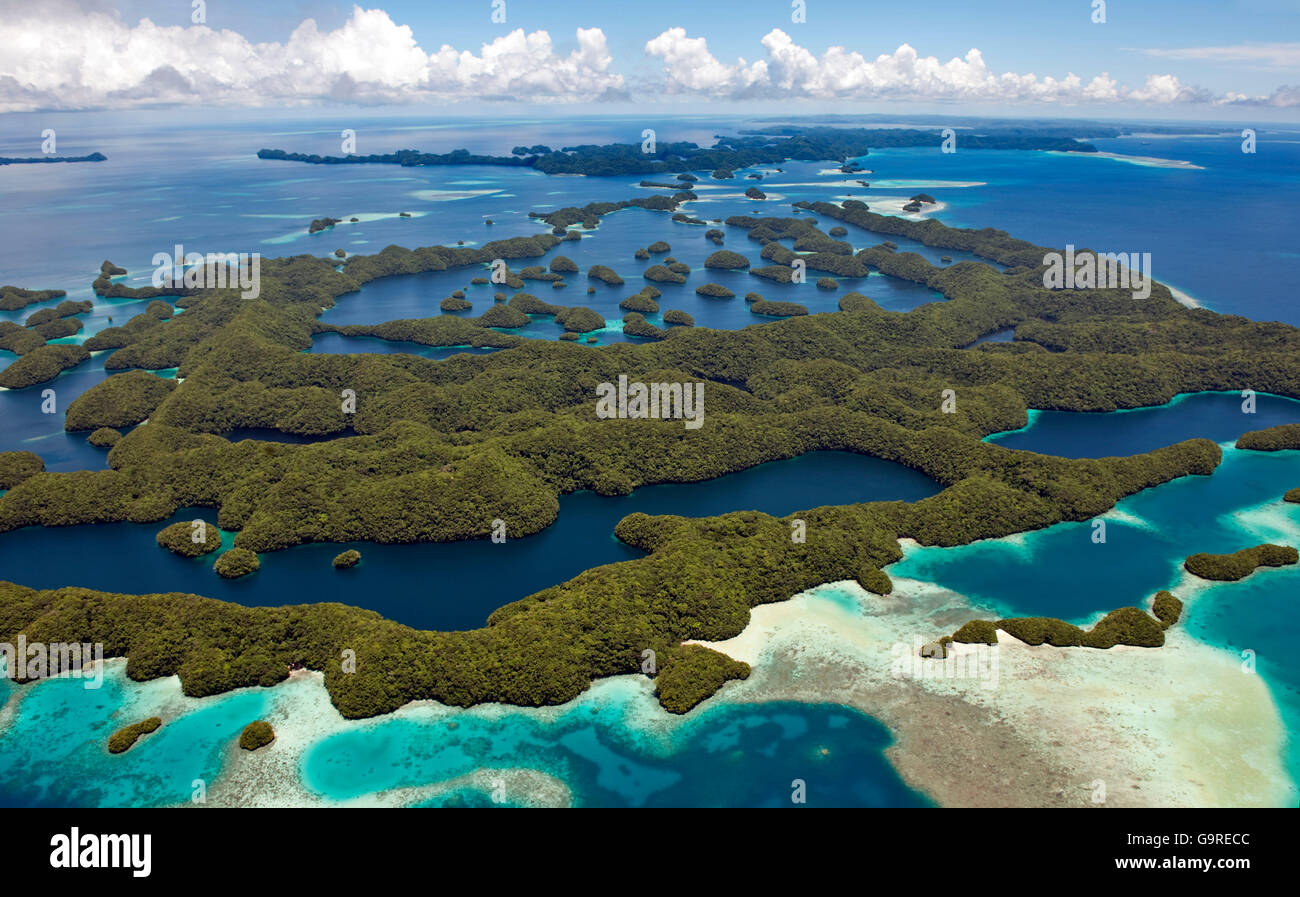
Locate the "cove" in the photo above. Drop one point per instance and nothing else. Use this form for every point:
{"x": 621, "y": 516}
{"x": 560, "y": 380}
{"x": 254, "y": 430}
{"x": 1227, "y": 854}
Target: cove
{"x": 55, "y": 747}
{"x": 1210, "y": 415}
{"x": 1060, "y": 572}
{"x": 450, "y": 585}
{"x": 729, "y": 755}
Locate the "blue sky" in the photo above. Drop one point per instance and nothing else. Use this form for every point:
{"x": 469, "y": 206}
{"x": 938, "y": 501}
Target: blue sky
{"x": 1207, "y": 55}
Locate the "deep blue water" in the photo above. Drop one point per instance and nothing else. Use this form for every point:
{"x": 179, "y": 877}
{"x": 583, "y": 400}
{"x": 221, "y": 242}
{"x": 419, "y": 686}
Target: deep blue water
{"x": 1223, "y": 233}
{"x": 452, "y": 585}
{"x": 1208, "y": 415}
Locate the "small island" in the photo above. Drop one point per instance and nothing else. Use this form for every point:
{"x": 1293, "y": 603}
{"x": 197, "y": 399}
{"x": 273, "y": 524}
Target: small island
{"x": 345, "y": 559}
{"x": 714, "y": 291}
{"x": 257, "y": 734}
{"x": 36, "y": 160}
{"x": 1240, "y": 564}
{"x": 125, "y": 738}
{"x": 180, "y": 538}
{"x": 237, "y": 562}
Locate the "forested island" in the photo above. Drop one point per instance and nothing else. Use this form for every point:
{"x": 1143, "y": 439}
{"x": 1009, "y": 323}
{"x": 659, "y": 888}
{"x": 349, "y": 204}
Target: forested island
{"x": 36, "y": 160}
{"x": 726, "y": 155}
{"x": 506, "y": 433}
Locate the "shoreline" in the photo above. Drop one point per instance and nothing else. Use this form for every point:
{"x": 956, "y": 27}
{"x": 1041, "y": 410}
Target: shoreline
{"x": 1158, "y": 727}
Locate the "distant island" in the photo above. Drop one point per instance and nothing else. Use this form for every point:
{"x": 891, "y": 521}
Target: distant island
{"x": 727, "y": 154}
{"x": 33, "y": 160}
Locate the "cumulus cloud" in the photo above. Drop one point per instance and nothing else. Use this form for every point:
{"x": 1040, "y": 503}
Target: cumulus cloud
{"x": 80, "y": 54}
{"x": 1285, "y": 97}
{"x": 61, "y": 54}
{"x": 790, "y": 70}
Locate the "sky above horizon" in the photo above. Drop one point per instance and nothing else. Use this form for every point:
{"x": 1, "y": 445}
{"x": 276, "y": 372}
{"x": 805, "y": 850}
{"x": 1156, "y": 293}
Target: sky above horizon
{"x": 1191, "y": 59}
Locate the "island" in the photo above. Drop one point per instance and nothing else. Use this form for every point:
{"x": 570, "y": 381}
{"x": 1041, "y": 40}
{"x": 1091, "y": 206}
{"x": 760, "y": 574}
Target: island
{"x": 509, "y": 432}
{"x": 125, "y": 738}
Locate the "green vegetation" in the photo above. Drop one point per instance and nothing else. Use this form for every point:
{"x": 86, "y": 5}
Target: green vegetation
{"x": 256, "y": 734}
{"x": 691, "y": 673}
{"x": 1239, "y": 564}
{"x": 62, "y": 310}
{"x": 977, "y": 632}
{"x": 777, "y": 309}
{"x": 562, "y": 264}
{"x": 504, "y": 316}
{"x": 876, "y": 581}
{"x": 635, "y": 324}
{"x": 755, "y": 193}
{"x": 125, "y": 738}
{"x": 662, "y": 274}
{"x": 1167, "y": 608}
{"x": 122, "y": 400}
{"x": 715, "y": 290}
{"x": 605, "y": 275}
{"x": 437, "y": 449}
{"x": 640, "y": 301}
{"x": 236, "y": 562}
{"x": 179, "y": 538}
{"x": 39, "y": 160}
{"x": 1043, "y": 630}
{"x": 827, "y": 283}
{"x": 579, "y": 319}
{"x": 15, "y": 298}
{"x": 1125, "y": 626}
{"x": 678, "y": 318}
{"x": 1272, "y": 439}
{"x": 453, "y": 303}
{"x": 321, "y": 224}
{"x": 1292, "y": 495}
{"x": 345, "y": 559}
{"x": 41, "y": 364}
{"x": 104, "y": 437}
{"x": 18, "y": 466}
{"x": 727, "y": 154}
{"x": 531, "y": 305}
{"x": 659, "y": 246}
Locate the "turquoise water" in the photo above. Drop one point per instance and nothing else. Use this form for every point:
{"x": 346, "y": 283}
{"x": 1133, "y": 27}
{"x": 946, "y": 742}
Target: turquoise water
{"x": 729, "y": 755}
{"x": 732, "y": 755}
{"x": 55, "y": 750}
{"x": 725, "y": 755}
{"x": 735, "y": 755}
{"x": 1061, "y": 572}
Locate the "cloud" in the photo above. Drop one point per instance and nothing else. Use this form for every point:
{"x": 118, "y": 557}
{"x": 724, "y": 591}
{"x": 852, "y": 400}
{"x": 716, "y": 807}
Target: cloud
{"x": 1273, "y": 55}
{"x": 61, "y": 54}
{"x": 80, "y": 54}
{"x": 1285, "y": 97}
{"x": 790, "y": 70}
